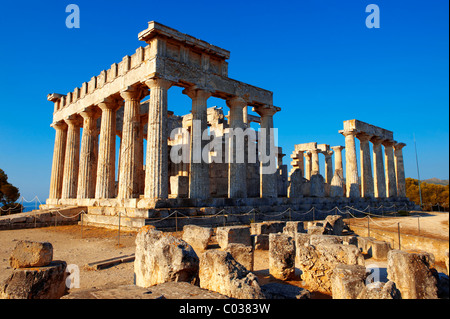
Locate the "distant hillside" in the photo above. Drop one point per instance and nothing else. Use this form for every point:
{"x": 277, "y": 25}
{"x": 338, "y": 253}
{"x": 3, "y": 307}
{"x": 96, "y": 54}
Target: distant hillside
{"x": 436, "y": 181}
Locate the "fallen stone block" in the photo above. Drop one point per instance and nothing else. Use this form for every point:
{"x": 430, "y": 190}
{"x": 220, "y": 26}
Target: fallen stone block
{"x": 221, "y": 273}
{"x": 379, "y": 249}
{"x": 347, "y": 281}
{"x": 380, "y": 290}
{"x": 292, "y": 228}
{"x": 281, "y": 256}
{"x": 275, "y": 290}
{"x": 233, "y": 234}
{"x": 242, "y": 254}
{"x": 48, "y": 282}
{"x": 316, "y": 230}
{"x": 31, "y": 254}
{"x": 334, "y": 224}
{"x": 196, "y": 236}
{"x": 412, "y": 274}
{"x": 161, "y": 257}
{"x": 267, "y": 227}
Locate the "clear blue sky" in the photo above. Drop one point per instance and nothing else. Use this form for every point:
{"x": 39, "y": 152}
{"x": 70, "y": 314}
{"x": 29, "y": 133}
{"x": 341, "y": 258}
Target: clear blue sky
{"x": 317, "y": 56}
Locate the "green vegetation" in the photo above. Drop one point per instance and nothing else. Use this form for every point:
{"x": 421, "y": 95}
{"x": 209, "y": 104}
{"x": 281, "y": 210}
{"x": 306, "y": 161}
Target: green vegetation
{"x": 8, "y": 196}
{"x": 432, "y": 194}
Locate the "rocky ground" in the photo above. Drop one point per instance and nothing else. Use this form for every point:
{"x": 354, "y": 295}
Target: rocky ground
{"x": 95, "y": 244}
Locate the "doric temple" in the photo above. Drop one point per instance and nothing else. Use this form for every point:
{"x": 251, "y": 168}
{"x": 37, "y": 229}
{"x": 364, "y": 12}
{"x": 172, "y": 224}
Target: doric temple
{"x": 129, "y": 100}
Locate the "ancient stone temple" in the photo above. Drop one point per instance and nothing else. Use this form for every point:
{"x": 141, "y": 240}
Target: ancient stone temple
{"x": 130, "y": 101}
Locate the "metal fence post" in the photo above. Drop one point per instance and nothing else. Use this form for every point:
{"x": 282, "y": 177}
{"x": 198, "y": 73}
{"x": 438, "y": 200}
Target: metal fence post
{"x": 399, "y": 244}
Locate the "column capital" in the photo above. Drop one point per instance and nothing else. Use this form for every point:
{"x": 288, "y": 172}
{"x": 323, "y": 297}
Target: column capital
{"x": 133, "y": 93}
{"x": 307, "y": 154}
{"x": 90, "y": 112}
{"x": 196, "y": 92}
{"x": 399, "y": 146}
{"x": 266, "y": 110}
{"x": 158, "y": 83}
{"x": 337, "y": 148}
{"x": 236, "y": 101}
{"x": 388, "y": 143}
{"x": 316, "y": 151}
{"x": 110, "y": 103}
{"x": 60, "y": 125}
{"x": 349, "y": 133}
{"x": 363, "y": 137}
{"x": 328, "y": 153}
{"x": 74, "y": 120}
{"x": 376, "y": 140}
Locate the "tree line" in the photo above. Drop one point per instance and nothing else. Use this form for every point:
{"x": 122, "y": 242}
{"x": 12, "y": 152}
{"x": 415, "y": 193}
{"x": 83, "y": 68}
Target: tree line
{"x": 433, "y": 195}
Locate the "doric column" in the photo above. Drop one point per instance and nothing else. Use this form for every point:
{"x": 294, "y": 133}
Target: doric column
{"x": 199, "y": 169}
{"x": 106, "y": 167}
{"x": 59, "y": 151}
{"x": 140, "y": 156}
{"x": 315, "y": 169}
{"x": 366, "y": 166}
{"x": 237, "y": 172}
{"x": 268, "y": 180}
{"x": 298, "y": 162}
{"x": 338, "y": 158}
{"x": 156, "y": 166}
{"x": 379, "y": 179}
{"x": 351, "y": 165}
{"x": 307, "y": 155}
{"x": 328, "y": 166}
{"x": 87, "y": 174}
{"x": 71, "y": 161}
{"x": 400, "y": 169}
{"x": 128, "y": 178}
{"x": 391, "y": 183}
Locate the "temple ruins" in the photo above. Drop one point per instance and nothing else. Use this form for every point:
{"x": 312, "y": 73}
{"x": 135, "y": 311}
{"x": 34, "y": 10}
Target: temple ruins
{"x": 146, "y": 182}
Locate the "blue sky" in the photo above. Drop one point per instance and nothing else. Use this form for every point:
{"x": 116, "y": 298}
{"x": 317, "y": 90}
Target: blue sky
{"x": 317, "y": 56}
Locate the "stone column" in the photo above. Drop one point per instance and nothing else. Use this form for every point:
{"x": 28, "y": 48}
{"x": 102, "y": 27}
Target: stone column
{"x": 106, "y": 167}
{"x": 298, "y": 162}
{"x": 379, "y": 179}
{"x": 366, "y": 166}
{"x": 140, "y": 157}
{"x": 156, "y": 166}
{"x": 128, "y": 177}
{"x": 71, "y": 161}
{"x": 199, "y": 169}
{"x": 338, "y": 158}
{"x": 268, "y": 181}
{"x": 391, "y": 181}
{"x": 315, "y": 169}
{"x": 237, "y": 172}
{"x": 88, "y": 156}
{"x": 328, "y": 166}
{"x": 307, "y": 155}
{"x": 351, "y": 165}
{"x": 59, "y": 152}
{"x": 400, "y": 169}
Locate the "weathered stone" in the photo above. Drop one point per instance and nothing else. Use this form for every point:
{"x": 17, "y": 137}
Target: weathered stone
{"x": 446, "y": 261}
{"x": 275, "y": 290}
{"x": 31, "y": 254}
{"x": 161, "y": 257}
{"x": 48, "y": 282}
{"x": 196, "y": 236}
{"x": 233, "y": 234}
{"x": 412, "y": 274}
{"x": 380, "y": 290}
{"x": 267, "y": 227}
{"x": 324, "y": 240}
{"x": 337, "y": 184}
{"x": 281, "y": 256}
{"x": 219, "y": 272}
{"x": 317, "y": 183}
{"x": 336, "y": 224}
{"x": 260, "y": 242}
{"x": 347, "y": 281}
{"x": 292, "y": 228}
{"x": 379, "y": 249}
{"x": 316, "y": 230}
{"x": 317, "y": 263}
{"x": 242, "y": 254}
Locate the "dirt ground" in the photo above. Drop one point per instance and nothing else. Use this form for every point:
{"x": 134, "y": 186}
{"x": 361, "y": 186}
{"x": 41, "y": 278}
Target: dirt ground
{"x": 97, "y": 244}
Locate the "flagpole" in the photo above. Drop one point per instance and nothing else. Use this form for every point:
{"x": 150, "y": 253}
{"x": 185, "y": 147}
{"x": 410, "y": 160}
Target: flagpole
{"x": 418, "y": 175}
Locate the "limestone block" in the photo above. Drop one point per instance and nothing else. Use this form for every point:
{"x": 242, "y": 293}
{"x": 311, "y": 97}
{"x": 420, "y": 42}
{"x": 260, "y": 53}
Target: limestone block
{"x": 260, "y": 242}
{"x": 347, "y": 281}
{"x": 267, "y": 227}
{"x": 380, "y": 290}
{"x": 196, "y": 236}
{"x": 48, "y": 282}
{"x": 412, "y": 274}
{"x": 317, "y": 263}
{"x": 295, "y": 187}
{"x": 275, "y": 290}
{"x": 316, "y": 230}
{"x": 31, "y": 254}
{"x": 292, "y": 228}
{"x": 179, "y": 185}
{"x": 317, "y": 186}
{"x": 281, "y": 256}
{"x": 324, "y": 240}
{"x": 364, "y": 243}
{"x": 233, "y": 234}
{"x": 219, "y": 272}
{"x": 337, "y": 185}
{"x": 379, "y": 249}
{"x": 335, "y": 224}
{"x": 242, "y": 254}
{"x": 161, "y": 258}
